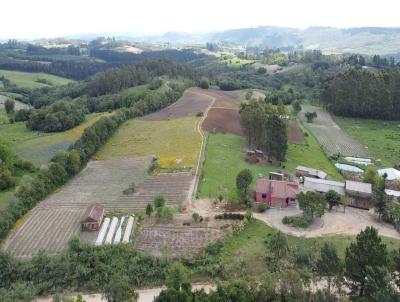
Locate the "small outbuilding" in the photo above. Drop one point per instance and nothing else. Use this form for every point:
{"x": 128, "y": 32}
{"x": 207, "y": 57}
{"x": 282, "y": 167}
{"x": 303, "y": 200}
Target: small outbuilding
{"x": 276, "y": 193}
{"x": 310, "y": 172}
{"x": 93, "y": 217}
{"x": 359, "y": 194}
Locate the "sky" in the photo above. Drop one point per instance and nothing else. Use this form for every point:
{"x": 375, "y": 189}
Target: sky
{"x": 54, "y": 18}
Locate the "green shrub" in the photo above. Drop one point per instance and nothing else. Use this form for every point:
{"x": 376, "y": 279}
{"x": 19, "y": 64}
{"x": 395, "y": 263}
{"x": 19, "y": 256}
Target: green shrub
{"x": 233, "y": 216}
{"x": 296, "y": 221}
{"x": 262, "y": 207}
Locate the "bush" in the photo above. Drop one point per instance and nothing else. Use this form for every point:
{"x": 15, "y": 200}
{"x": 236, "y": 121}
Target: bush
{"x": 22, "y": 115}
{"x": 296, "y": 221}
{"x": 195, "y": 217}
{"x": 6, "y": 179}
{"x": 204, "y": 83}
{"x": 232, "y": 216}
{"x": 262, "y": 207}
{"x": 9, "y": 105}
{"x": 199, "y": 114}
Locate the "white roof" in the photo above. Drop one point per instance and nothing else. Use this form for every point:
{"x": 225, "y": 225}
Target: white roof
{"x": 357, "y": 186}
{"x": 392, "y": 173}
{"x": 323, "y": 185}
{"x": 312, "y": 171}
{"x": 392, "y": 193}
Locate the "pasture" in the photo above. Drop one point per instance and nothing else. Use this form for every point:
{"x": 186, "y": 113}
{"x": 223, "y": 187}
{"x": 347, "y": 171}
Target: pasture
{"x": 40, "y": 147}
{"x": 33, "y": 80}
{"x": 332, "y": 139}
{"x": 381, "y": 137}
{"x": 175, "y": 142}
{"x": 225, "y": 159}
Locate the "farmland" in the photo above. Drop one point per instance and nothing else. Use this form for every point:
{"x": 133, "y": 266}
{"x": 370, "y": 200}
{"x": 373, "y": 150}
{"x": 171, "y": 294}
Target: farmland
{"x": 223, "y": 120}
{"x": 225, "y": 159}
{"x": 331, "y": 137}
{"x": 381, "y": 137}
{"x": 175, "y": 142}
{"x": 33, "y": 80}
{"x": 40, "y": 147}
{"x": 295, "y": 134}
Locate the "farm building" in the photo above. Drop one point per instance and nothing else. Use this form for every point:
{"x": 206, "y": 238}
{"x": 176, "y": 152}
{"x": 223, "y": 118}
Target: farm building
{"x": 276, "y": 193}
{"x": 310, "y": 172}
{"x": 359, "y": 194}
{"x": 276, "y": 176}
{"x": 323, "y": 185}
{"x": 93, "y": 217}
{"x": 392, "y": 173}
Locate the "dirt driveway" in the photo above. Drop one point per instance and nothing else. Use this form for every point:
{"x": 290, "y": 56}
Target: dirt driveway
{"x": 332, "y": 223}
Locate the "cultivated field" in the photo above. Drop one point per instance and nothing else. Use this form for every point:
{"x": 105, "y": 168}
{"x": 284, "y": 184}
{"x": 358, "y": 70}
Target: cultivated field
{"x": 192, "y": 102}
{"x": 174, "y": 241}
{"x": 40, "y": 147}
{"x": 32, "y": 80}
{"x": 331, "y": 137}
{"x": 52, "y": 223}
{"x": 223, "y": 120}
{"x": 295, "y": 134}
{"x": 381, "y": 137}
{"x": 175, "y": 142}
{"x": 226, "y": 99}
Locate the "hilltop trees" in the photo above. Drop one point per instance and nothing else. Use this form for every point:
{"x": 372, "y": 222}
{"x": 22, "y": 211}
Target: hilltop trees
{"x": 264, "y": 128}
{"x": 356, "y": 93}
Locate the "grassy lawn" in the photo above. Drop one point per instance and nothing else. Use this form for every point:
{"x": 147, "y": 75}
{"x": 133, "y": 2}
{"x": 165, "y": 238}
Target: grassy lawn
{"x": 29, "y": 80}
{"x": 250, "y": 246}
{"x": 225, "y": 159}
{"x": 381, "y": 137}
{"x": 39, "y": 147}
{"x": 175, "y": 142}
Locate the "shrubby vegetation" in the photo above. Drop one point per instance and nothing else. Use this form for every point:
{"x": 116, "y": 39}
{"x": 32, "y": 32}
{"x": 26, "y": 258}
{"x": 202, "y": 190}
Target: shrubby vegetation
{"x": 59, "y": 116}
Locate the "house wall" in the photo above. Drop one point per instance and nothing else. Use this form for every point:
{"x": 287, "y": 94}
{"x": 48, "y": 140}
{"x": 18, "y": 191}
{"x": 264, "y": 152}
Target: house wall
{"x": 90, "y": 226}
{"x": 273, "y": 202}
{"x": 359, "y": 202}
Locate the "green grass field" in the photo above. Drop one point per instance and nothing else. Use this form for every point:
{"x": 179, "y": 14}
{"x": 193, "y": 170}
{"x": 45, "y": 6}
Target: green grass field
{"x": 175, "y": 142}
{"x": 225, "y": 159}
{"x": 381, "y": 137}
{"x": 250, "y": 246}
{"x": 39, "y": 147}
{"x": 29, "y": 80}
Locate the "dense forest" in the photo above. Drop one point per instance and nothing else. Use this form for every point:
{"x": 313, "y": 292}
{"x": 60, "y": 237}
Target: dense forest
{"x": 358, "y": 93}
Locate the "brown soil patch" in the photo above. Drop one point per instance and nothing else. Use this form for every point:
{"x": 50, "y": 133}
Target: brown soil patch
{"x": 295, "y": 134}
{"x": 226, "y": 99}
{"x": 223, "y": 120}
{"x": 191, "y": 102}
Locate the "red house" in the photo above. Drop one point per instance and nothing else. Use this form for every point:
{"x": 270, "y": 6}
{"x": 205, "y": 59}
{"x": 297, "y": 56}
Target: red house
{"x": 276, "y": 193}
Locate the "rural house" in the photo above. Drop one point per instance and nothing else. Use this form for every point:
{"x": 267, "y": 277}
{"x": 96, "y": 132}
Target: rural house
{"x": 323, "y": 185}
{"x": 93, "y": 217}
{"x": 276, "y": 193}
{"x": 310, "y": 172}
{"x": 359, "y": 194}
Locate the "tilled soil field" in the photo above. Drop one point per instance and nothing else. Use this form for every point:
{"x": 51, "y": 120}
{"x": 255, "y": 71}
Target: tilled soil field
{"x": 226, "y": 99}
{"x": 295, "y": 134}
{"x": 222, "y": 120}
{"x": 333, "y": 139}
{"x": 192, "y": 102}
{"x": 175, "y": 241}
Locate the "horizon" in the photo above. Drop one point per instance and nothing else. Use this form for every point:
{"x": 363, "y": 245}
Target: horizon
{"x": 156, "y": 17}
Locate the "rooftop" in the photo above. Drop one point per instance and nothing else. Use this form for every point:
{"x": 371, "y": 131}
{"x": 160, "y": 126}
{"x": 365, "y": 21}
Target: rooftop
{"x": 357, "y": 186}
{"x": 312, "y": 171}
{"x": 278, "y": 188}
{"x": 323, "y": 185}
{"x": 93, "y": 213}
{"x": 392, "y": 174}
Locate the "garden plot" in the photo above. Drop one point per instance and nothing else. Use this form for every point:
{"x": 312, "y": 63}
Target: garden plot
{"x": 295, "y": 134}
{"x": 54, "y": 221}
{"x": 175, "y": 241}
{"x": 192, "y": 102}
{"x": 331, "y": 137}
{"x": 175, "y": 187}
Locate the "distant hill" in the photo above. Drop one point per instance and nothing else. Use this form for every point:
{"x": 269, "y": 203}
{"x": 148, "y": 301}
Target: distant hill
{"x": 366, "y": 40}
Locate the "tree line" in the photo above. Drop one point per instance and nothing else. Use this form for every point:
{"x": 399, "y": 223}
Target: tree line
{"x": 357, "y": 93}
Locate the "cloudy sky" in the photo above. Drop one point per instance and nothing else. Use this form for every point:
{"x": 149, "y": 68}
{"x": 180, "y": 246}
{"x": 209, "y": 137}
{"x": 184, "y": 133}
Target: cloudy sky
{"x": 54, "y": 18}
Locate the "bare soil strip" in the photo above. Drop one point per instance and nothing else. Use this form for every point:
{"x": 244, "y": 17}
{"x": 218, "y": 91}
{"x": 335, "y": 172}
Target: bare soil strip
{"x": 223, "y": 120}
{"x": 295, "y": 134}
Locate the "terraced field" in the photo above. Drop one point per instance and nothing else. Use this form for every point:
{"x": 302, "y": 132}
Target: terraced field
{"x": 333, "y": 139}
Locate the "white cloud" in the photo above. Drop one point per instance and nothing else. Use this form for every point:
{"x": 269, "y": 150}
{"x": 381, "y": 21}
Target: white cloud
{"x": 51, "y": 18}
